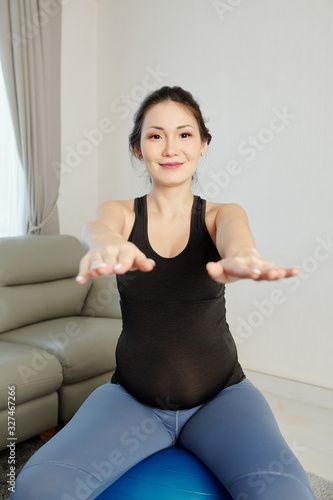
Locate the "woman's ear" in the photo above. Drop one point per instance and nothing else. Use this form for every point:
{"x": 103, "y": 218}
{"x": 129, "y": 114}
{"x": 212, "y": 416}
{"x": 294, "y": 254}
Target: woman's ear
{"x": 204, "y": 146}
{"x": 137, "y": 152}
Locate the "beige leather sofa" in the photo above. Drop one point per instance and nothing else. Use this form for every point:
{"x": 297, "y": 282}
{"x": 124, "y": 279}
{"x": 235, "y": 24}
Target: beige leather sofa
{"x": 57, "y": 338}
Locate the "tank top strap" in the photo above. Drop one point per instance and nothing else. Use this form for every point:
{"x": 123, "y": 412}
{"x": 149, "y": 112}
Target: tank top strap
{"x": 198, "y": 224}
{"x": 199, "y": 209}
{"x": 201, "y": 234}
{"x": 196, "y": 211}
{"x": 138, "y": 229}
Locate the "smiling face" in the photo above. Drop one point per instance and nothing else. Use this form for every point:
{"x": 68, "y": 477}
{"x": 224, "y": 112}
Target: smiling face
{"x": 170, "y": 143}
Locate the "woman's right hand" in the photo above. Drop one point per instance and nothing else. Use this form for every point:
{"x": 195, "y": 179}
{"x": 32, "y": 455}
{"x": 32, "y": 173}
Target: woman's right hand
{"x": 111, "y": 253}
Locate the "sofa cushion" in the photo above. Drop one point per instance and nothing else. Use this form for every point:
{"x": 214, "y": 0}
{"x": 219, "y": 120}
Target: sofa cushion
{"x": 31, "y": 418}
{"x": 24, "y": 367}
{"x": 85, "y": 346}
{"x": 26, "y": 304}
{"x": 36, "y": 259}
{"x": 103, "y": 299}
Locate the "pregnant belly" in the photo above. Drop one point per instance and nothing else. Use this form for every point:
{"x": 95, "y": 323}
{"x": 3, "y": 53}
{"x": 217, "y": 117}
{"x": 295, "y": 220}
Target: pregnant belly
{"x": 176, "y": 375}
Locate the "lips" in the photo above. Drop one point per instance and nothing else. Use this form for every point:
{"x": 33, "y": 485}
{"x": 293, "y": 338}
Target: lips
{"x": 171, "y": 164}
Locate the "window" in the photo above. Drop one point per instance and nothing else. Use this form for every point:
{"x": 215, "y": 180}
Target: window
{"x": 13, "y": 191}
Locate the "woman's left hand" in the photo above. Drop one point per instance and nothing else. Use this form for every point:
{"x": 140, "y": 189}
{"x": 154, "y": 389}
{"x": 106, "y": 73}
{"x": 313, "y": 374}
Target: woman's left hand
{"x": 250, "y": 265}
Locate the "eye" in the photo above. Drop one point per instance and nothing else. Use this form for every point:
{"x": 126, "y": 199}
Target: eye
{"x": 154, "y": 136}
{"x": 185, "y": 134}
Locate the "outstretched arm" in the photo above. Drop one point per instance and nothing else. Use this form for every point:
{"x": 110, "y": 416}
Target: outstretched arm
{"x": 107, "y": 251}
{"x": 240, "y": 258}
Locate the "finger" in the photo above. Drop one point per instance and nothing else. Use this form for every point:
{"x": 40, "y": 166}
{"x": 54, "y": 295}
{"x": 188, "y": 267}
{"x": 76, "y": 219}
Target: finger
{"x": 293, "y": 271}
{"x": 255, "y": 274}
{"x": 97, "y": 264}
{"x": 124, "y": 263}
{"x": 95, "y": 259}
{"x": 233, "y": 272}
{"x": 106, "y": 268}
{"x": 83, "y": 274}
{"x": 274, "y": 273}
{"x": 218, "y": 273}
{"x": 227, "y": 273}
{"x": 144, "y": 264}
{"x": 92, "y": 266}
{"x": 214, "y": 269}
{"x": 287, "y": 273}
{"x": 131, "y": 259}
{"x": 270, "y": 274}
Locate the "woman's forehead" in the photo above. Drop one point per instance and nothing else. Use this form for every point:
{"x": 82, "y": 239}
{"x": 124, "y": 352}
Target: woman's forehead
{"x": 169, "y": 114}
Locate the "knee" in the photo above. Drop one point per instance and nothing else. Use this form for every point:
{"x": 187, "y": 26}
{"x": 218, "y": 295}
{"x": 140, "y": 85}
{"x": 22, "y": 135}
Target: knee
{"x": 53, "y": 481}
{"x": 32, "y": 482}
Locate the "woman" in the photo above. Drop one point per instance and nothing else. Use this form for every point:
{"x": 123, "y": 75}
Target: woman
{"x": 178, "y": 379}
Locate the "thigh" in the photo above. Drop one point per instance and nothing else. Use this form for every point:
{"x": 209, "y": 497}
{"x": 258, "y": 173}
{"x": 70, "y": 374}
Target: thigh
{"x": 237, "y": 437}
{"x": 109, "y": 434}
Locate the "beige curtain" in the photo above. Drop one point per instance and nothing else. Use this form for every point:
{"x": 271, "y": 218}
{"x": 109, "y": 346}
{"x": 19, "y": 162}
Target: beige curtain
{"x": 30, "y": 40}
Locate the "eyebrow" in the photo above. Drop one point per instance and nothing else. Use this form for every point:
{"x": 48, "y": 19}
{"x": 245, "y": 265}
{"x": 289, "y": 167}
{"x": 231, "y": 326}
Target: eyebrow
{"x": 161, "y": 128}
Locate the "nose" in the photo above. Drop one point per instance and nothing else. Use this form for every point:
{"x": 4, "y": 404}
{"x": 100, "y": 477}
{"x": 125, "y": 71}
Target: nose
{"x": 170, "y": 148}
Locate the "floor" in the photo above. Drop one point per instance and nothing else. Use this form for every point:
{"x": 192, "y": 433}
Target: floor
{"x": 305, "y": 416}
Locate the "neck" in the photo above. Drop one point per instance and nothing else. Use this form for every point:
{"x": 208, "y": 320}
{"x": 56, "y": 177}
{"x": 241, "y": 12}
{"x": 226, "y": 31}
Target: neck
{"x": 170, "y": 201}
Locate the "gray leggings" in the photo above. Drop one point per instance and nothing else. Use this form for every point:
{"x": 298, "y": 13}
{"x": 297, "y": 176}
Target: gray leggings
{"x": 235, "y": 434}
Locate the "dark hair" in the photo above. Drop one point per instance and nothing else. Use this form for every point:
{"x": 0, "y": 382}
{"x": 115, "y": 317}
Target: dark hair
{"x": 165, "y": 94}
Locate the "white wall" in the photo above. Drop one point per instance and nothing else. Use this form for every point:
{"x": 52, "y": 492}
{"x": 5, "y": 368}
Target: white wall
{"x": 247, "y": 65}
{"x": 79, "y": 183}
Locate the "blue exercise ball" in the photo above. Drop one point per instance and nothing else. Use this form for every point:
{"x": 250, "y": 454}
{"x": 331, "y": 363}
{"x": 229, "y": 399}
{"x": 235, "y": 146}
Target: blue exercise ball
{"x": 170, "y": 474}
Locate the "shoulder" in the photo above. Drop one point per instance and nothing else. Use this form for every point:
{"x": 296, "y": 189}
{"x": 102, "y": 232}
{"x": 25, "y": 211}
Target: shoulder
{"x": 218, "y": 214}
{"x": 222, "y": 210}
{"x": 117, "y": 214}
{"x": 114, "y": 208}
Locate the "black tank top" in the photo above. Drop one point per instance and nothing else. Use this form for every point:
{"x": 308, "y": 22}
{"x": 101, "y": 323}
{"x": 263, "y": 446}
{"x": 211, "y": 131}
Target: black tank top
{"x": 175, "y": 350}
